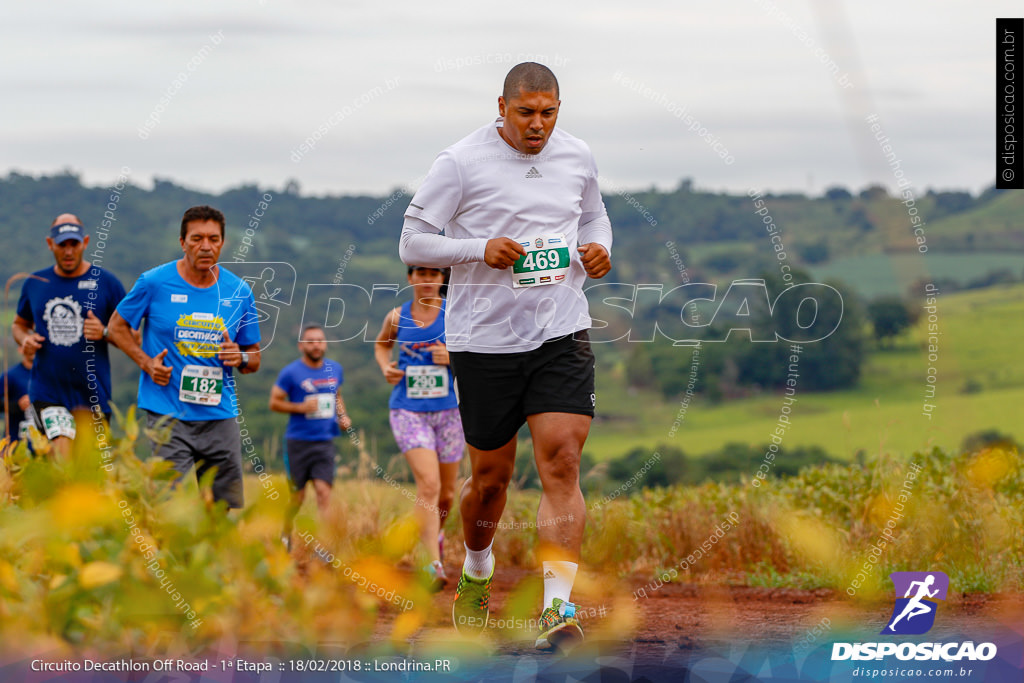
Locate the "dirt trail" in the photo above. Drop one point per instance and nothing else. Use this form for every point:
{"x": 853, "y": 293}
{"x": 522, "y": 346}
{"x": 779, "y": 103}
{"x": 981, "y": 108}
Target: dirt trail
{"x": 679, "y": 620}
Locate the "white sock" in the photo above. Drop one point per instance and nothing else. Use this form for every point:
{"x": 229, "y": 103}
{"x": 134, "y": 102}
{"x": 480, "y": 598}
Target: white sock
{"x": 558, "y": 580}
{"x": 479, "y": 563}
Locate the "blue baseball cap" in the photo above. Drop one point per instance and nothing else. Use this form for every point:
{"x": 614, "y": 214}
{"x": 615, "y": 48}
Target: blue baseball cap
{"x": 67, "y": 231}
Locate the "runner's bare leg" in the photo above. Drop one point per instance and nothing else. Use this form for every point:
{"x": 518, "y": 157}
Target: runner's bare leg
{"x": 323, "y": 497}
{"x": 293, "y": 510}
{"x": 484, "y": 494}
{"x": 449, "y": 472}
{"x": 425, "y": 471}
{"x": 558, "y": 440}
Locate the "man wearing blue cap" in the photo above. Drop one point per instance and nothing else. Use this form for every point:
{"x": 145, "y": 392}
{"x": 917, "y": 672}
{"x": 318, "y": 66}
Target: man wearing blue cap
{"x": 62, "y": 319}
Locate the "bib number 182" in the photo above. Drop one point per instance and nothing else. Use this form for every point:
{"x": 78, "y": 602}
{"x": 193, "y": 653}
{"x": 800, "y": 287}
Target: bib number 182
{"x": 201, "y": 384}
{"x": 204, "y": 385}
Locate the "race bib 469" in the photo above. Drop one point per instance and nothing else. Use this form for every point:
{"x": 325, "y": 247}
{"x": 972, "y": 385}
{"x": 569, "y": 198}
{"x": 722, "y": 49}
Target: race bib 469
{"x": 545, "y": 262}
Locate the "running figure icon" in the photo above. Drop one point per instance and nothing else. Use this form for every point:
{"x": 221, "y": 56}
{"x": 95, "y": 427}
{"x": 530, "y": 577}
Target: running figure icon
{"x": 916, "y": 605}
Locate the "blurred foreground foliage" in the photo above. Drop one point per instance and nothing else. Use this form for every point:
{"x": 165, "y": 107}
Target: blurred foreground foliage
{"x": 961, "y": 514}
{"x": 98, "y": 553}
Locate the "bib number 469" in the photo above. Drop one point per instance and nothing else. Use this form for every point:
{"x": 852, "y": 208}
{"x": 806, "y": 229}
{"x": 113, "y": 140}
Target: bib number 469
{"x": 540, "y": 260}
{"x": 545, "y": 261}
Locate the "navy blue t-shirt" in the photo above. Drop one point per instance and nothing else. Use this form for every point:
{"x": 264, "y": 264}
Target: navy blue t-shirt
{"x": 298, "y": 380}
{"x": 69, "y": 370}
{"x": 17, "y": 386}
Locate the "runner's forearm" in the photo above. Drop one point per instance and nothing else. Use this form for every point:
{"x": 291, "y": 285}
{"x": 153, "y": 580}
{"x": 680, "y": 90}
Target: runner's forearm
{"x": 136, "y": 335}
{"x": 279, "y": 405}
{"x": 597, "y": 229}
{"x": 255, "y": 358}
{"x": 422, "y": 245}
{"x": 20, "y": 330}
{"x": 121, "y": 335}
{"x": 382, "y": 354}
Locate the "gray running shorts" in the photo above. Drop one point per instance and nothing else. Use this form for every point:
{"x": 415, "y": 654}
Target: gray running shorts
{"x": 205, "y": 444}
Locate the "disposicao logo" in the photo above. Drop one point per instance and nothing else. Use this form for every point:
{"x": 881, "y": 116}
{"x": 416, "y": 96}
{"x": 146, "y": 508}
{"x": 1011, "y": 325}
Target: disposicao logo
{"x": 914, "y": 613}
{"x": 917, "y": 594}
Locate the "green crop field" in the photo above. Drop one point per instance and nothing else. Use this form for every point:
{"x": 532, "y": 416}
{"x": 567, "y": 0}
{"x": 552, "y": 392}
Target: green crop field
{"x": 980, "y": 385}
{"x": 875, "y": 275}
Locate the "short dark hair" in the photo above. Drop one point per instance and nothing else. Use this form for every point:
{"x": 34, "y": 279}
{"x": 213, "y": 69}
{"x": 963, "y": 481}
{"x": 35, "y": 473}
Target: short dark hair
{"x": 447, "y": 272}
{"x": 529, "y": 77}
{"x": 201, "y": 213}
{"x": 307, "y": 328}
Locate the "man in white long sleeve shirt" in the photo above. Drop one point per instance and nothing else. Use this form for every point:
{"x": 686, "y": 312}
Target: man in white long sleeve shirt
{"x": 523, "y": 227}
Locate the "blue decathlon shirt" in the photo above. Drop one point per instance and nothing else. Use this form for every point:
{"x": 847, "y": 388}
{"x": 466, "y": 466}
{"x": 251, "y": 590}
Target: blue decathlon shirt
{"x": 17, "y": 386}
{"x": 298, "y": 380}
{"x": 411, "y": 338}
{"x": 189, "y": 322}
{"x": 69, "y": 370}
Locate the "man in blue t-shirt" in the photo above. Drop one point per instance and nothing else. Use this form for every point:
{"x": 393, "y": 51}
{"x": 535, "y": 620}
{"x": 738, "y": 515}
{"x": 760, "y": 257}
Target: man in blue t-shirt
{"x": 309, "y": 389}
{"x": 62, "y": 320}
{"x": 201, "y": 324}
{"x": 16, "y": 400}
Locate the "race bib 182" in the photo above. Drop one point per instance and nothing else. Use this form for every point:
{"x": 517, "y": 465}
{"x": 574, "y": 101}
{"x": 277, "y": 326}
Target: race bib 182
{"x": 201, "y": 384}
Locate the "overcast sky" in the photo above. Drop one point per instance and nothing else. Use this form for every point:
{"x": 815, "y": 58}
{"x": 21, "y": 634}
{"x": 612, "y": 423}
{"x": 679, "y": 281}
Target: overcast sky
{"x": 215, "y": 94}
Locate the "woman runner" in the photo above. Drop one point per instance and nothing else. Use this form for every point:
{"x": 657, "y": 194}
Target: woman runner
{"x": 424, "y": 411}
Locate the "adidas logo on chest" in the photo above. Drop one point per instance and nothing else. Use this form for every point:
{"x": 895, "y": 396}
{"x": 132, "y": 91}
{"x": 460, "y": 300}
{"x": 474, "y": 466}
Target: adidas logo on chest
{"x": 533, "y": 173}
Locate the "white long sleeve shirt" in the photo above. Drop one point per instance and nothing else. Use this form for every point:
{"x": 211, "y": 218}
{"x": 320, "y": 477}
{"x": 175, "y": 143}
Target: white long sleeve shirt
{"x": 481, "y": 188}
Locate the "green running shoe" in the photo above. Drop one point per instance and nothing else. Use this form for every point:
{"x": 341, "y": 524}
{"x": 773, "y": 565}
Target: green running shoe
{"x": 436, "y": 577}
{"x": 470, "y": 611}
{"x": 559, "y": 627}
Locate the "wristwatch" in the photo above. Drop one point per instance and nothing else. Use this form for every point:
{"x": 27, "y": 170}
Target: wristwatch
{"x": 245, "y": 361}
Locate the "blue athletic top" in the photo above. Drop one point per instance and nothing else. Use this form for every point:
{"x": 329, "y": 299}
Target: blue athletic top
{"x": 189, "y": 322}
{"x": 69, "y": 370}
{"x": 298, "y": 380}
{"x": 436, "y": 381}
{"x": 17, "y": 386}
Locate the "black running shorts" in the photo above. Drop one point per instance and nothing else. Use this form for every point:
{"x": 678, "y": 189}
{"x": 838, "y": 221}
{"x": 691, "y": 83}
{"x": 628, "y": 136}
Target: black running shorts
{"x": 307, "y": 460}
{"x": 497, "y": 391}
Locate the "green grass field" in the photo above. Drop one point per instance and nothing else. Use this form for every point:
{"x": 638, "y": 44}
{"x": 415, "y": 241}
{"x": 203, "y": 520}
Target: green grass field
{"x": 980, "y": 386}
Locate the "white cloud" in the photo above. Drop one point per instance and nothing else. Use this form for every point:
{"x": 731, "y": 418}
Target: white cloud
{"x": 88, "y": 77}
